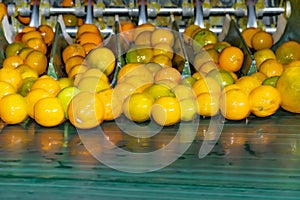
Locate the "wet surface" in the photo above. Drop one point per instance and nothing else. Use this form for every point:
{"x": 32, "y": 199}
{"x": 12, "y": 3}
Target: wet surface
{"x": 253, "y": 158}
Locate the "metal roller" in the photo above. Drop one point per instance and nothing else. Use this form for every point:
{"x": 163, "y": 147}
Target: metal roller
{"x": 199, "y": 10}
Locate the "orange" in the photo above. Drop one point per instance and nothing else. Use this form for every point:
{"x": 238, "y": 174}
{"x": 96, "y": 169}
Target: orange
{"x": 127, "y": 68}
{"x": 259, "y": 76}
{"x": 162, "y": 60}
{"x": 49, "y": 112}
{"x": 264, "y": 100}
{"x": 26, "y": 71}
{"x": 24, "y": 52}
{"x": 293, "y": 64}
{"x": 70, "y": 19}
{"x": 37, "y": 44}
{"x": 168, "y": 73}
{"x": 33, "y": 96}
{"x": 248, "y": 33}
{"x": 27, "y": 29}
{"x": 64, "y": 82}
{"x": 162, "y": 35}
{"x": 141, "y": 28}
{"x": 144, "y": 38}
{"x": 3, "y": 10}
{"x": 86, "y": 110}
{"x": 231, "y": 58}
{"x": 102, "y": 58}
{"x": 30, "y": 35}
{"x": 73, "y": 61}
{"x": 271, "y": 67}
{"x": 288, "y": 85}
{"x": 234, "y": 104}
{"x": 207, "y": 67}
{"x": 213, "y": 54}
{"x": 198, "y": 75}
{"x": 47, "y": 33}
{"x": 12, "y": 62}
{"x": 166, "y": 111}
{"x": 92, "y": 84}
{"x": 13, "y": 48}
{"x": 188, "y": 33}
{"x": 106, "y": 97}
{"x": 163, "y": 48}
{"x": 261, "y": 55}
{"x": 127, "y": 30}
{"x": 262, "y": 40}
{"x": 49, "y": 84}
{"x": 89, "y": 47}
{"x": 6, "y": 88}
{"x": 94, "y": 72}
{"x": 89, "y": 37}
{"x": 37, "y": 60}
{"x": 67, "y": 3}
{"x": 120, "y": 92}
{"x": 202, "y": 38}
{"x": 92, "y": 28}
{"x": 137, "y": 107}
{"x": 206, "y": 85}
{"x": 13, "y": 108}
{"x": 208, "y": 46}
{"x": 229, "y": 87}
{"x": 201, "y": 58}
{"x": 77, "y": 69}
{"x": 208, "y": 104}
{"x": 247, "y": 83}
{"x": 24, "y": 19}
{"x": 288, "y": 51}
{"x": 219, "y": 46}
{"x": 72, "y": 50}
{"x": 11, "y": 76}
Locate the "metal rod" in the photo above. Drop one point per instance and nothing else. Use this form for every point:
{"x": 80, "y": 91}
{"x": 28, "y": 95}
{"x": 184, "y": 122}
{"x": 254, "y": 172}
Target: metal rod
{"x": 135, "y": 11}
{"x": 251, "y": 14}
{"x": 142, "y": 12}
{"x": 89, "y": 16}
{"x": 199, "y": 14}
{"x": 34, "y": 19}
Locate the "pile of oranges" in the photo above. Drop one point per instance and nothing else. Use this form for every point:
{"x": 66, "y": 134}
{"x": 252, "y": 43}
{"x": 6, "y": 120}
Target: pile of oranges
{"x": 148, "y": 85}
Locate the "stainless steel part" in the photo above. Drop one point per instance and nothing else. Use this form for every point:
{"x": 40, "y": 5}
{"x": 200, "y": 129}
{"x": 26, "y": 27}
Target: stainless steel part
{"x": 204, "y": 12}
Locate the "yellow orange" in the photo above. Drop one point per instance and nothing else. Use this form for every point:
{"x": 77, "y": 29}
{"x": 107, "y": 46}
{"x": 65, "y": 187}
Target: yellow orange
{"x": 13, "y": 108}
{"x": 87, "y": 28}
{"x": 262, "y": 40}
{"x": 264, "y": 100}
{"x": 261, "y": 55}
{"x": 166, "y": 111}
{"x": 49, "y": 84}
{"x": 33, "y": 96}
{"x": 47, "y": 33}
{"x": 72, "y": 50}
{"x": 89, "y": 37}
{"x": 37, "y": 60}
{"x": 271, "y": 67}
{"x": 11, "y": 76}
{"x": 86, "y": 110}
{"x": 6, "y": 88}
{"x": 12, "y": 62}
{"x": 49, "y": 112}
{"x": 247, "y": 83}
{"x": 208, "y": 104}
{"x": 37, "y": 44}
{"x": 231, "y": 58}
{"x": 248, "y": 34}
{"x": 234, "y": 104}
